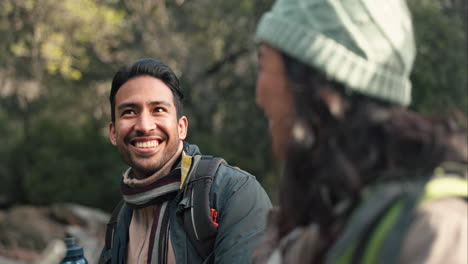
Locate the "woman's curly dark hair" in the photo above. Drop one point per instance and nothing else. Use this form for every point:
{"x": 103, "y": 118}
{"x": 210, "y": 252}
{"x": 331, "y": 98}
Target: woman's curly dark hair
{"x": 331, "y": 156}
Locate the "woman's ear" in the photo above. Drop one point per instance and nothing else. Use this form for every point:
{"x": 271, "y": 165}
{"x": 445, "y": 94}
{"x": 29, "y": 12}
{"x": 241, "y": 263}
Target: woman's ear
{"x": 334, "y": 101}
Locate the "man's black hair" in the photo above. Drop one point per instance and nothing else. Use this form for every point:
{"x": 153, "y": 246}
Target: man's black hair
{"x": 149, "y": 67}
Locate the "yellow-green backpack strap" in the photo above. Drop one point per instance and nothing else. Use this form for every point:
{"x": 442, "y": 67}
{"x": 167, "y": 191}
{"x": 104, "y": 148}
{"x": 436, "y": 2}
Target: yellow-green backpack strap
{"x": 352, "y": 244}
{"x": 384, "y": 245}
{"x": 376, "y": 231}
{"x": 441, "y": 187}
{"x": 345, "y": 247}
{"x": 383, "y": 229}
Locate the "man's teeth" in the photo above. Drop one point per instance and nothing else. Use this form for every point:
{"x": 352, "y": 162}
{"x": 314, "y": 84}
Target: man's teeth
{"x": 146, "y": 144}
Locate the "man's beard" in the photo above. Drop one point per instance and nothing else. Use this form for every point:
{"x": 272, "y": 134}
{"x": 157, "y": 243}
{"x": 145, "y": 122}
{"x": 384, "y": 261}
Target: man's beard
{"x": 148, "y": 170}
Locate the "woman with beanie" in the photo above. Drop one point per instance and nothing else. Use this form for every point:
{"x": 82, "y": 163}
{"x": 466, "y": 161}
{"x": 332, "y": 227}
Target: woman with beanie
{"x": 366, "y": 180}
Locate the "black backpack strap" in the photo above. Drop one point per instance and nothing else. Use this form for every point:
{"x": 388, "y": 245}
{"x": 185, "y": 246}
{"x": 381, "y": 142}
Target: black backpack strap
{"x": 106, "y": 254}
{"x": 198, "y": 215}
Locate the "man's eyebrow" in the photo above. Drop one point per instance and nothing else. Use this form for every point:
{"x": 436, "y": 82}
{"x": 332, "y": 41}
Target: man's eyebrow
{"x": 166, "y": 103}
{"x": 133, "y": 105}
{"x": 125, "y": 105}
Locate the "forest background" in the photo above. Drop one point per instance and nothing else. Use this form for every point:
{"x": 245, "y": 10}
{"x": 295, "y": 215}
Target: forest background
{"x": 57, "y": 59}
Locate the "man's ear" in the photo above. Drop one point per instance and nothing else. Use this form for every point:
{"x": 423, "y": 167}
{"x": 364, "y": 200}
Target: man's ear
{"x": 183, "y": 127}
{"x": 112, "y": 135}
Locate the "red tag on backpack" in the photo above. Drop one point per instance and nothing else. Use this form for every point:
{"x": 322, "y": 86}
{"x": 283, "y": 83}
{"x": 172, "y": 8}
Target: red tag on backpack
{"x": 214, "y": 217}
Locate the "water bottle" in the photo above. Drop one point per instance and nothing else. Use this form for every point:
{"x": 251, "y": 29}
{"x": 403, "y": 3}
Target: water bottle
{"x": 74, "y": 252}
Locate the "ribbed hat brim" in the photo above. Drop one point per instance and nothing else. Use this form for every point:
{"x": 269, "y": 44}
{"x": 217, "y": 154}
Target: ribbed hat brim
{"x": 335, "y": 60}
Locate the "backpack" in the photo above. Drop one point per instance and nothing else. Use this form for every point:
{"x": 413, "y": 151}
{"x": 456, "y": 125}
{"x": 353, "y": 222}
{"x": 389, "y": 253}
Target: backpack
{"x": 376, "y": 230}
{"x": 199, "y": 219}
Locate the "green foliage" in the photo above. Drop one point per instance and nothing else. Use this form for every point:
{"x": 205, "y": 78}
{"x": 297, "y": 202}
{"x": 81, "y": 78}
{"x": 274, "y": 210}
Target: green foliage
{"x": 56, "y": 36}
{"x": 70, "y": 165}
{"x": 58, "y": 57}
{"x": 440, "y": 71}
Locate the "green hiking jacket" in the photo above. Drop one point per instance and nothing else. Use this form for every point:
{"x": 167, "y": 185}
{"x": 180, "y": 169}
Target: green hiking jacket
{"x": 242, "y": 206}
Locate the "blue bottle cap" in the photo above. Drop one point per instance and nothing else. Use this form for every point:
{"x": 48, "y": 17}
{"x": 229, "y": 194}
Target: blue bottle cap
{"x": 73, "y": 249}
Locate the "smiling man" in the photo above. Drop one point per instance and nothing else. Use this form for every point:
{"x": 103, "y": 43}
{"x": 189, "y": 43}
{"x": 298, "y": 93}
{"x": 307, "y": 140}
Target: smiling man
{"x": 148, "y": 128}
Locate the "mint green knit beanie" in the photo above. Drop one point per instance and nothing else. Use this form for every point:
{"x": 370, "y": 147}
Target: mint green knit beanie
{"x": 367, "y": 45}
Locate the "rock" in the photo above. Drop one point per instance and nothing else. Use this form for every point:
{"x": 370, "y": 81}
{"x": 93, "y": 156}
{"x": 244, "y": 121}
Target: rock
{"x": 93, "y": 220}
{"x": 54, "y": 253}
{"x": 26, "y": 231}
{"x": 4, "y": 260}
{"x": 27, "y": 228}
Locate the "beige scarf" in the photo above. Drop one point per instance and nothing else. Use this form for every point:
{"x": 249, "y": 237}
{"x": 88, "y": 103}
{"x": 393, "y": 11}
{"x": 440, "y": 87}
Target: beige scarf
{"x": 149, "y": 228}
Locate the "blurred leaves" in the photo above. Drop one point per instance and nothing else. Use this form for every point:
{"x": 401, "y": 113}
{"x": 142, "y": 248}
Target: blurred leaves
{"x": 56, "y": 36}
{"x": 68, "y": 165}
{"x": 440, "y": 72}
{"x": 58, "y": 58}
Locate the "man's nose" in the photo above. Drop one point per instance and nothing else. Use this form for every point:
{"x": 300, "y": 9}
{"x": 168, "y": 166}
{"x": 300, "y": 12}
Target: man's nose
{"x": 145, "y": 123}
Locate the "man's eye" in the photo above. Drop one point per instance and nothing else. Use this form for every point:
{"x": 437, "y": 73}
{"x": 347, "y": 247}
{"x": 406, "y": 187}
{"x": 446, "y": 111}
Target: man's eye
{"x": 128, "y": 112}
{"x": 159, "y": 109}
